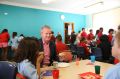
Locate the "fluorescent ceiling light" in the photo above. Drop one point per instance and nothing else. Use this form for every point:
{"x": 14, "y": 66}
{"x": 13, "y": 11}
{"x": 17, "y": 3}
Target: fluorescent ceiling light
{"x": 95, "y": 4}
{"x": 46, "y": 1}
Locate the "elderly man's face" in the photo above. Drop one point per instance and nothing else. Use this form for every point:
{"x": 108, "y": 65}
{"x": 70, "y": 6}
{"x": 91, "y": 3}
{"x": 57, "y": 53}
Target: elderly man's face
{"x": 46, "y": 34}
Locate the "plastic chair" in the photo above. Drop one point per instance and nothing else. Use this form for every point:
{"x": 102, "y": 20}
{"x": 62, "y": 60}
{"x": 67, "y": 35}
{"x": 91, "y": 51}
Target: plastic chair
{"x": 8, "y": 70}
{"x": 97, "y": 52}
{"x": 0, "y": 53}
{"x": 81, "y": 52}
{"x": 73, "y": 49}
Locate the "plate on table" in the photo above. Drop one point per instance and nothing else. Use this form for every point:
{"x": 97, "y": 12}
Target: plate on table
{"x": 63, "y": 64}
{"x": 90, "y": 75}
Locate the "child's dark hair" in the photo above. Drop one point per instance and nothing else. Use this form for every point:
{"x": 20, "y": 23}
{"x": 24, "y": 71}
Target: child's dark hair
{"x": 90, "y": 30}
{"x": 21, "y": 35}
{"x": 97, "y": 31}
{"x": 59, "y": 38}
{"x": 28, "y": 48}
{"x": 4, "y": 30}
{"x": 83, "y": 29}
{"x": 101, "y": 28}
{"x": 14, "y": 34}
{"x": 110, "y": 30}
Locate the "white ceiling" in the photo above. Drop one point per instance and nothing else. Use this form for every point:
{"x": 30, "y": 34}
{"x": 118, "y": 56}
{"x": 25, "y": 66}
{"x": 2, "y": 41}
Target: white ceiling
{"x": 70, "y": 6}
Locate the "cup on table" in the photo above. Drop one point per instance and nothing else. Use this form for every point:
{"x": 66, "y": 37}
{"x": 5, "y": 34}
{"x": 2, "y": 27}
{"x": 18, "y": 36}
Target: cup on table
{"x": 75, "y": 57}
{"x": 55, "y": 64}
{"x": 97, "y": 69}
{"x": 55, "y": 74}
{"x": 92, "y": 58}
{"x": 77, "y": 61}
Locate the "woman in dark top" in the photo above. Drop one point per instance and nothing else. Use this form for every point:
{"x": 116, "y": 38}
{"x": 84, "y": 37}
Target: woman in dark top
{"x": 105, "y": 47}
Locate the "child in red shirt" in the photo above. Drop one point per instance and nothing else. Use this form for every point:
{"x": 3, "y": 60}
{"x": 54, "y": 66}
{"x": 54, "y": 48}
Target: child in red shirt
{"x": 110, "y": 36}
{"x": 83, "y": 33}
{"x": 4, "y": 38}
{"x": 60, "y": 46}
{"x": 99, "y": 35}
{"x": 90, "y": 36}
{"x": 83, "y": 43}
{"x": 62, "y": 50}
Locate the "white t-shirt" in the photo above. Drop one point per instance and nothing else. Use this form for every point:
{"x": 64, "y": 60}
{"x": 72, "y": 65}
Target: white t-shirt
{"x": 14, "y": 42}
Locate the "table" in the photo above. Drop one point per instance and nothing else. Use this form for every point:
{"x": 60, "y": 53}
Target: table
{"x": 73, "y": 70}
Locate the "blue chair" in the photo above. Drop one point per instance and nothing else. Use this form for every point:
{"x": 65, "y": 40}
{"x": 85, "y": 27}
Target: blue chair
{"x": 81, "y": 52}
{"x": 0, "y": 53}
{"x": 97, "y": 52}
{"x": 8, "y": 70}
{"x": 73, "y": 49}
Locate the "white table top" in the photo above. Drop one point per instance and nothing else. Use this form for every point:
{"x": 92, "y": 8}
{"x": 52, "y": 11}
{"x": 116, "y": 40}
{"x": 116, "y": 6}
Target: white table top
{"x": 72, "y": 71}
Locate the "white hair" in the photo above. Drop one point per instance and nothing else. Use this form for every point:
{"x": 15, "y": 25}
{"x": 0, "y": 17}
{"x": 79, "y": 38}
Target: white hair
{"x": 45, "y": 26}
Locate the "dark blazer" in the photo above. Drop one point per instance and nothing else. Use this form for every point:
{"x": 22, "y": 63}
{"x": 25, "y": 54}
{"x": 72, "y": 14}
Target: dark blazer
{"x": 53, "y": 54}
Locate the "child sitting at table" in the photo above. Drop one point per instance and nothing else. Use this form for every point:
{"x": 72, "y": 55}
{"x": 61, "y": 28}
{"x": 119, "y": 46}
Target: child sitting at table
{"x": 114, "y": 72}
{"x": 28, "y": 58}
{"x": 62, "y": 50}
{"x": 83, "y": 43}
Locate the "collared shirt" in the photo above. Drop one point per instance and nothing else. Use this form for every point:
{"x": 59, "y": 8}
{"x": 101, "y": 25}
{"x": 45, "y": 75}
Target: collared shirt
{"x": 113, "y": 73}
{"x": 46, "y": 53}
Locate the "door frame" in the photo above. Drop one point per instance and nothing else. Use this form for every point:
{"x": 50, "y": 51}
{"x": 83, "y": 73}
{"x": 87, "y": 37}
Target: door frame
{"x": 67, "y": 29}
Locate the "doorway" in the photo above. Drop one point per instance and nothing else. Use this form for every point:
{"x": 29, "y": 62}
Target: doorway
{"x": 68, "y": 28}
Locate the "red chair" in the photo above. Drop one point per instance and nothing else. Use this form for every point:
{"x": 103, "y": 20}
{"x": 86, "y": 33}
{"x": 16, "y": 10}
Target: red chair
{"x": 20, "y": 76}
{"x": 116, "y": 61}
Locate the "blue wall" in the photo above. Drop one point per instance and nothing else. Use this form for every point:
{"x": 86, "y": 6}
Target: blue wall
{"x": 29, "y": 21}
